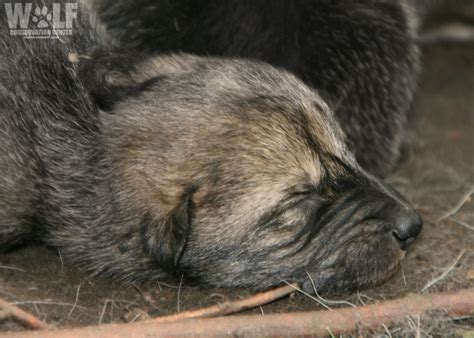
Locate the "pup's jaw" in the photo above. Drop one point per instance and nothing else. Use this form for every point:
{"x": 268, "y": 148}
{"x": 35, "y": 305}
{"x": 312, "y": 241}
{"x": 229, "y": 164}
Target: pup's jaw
{"x": 331, "y": 282}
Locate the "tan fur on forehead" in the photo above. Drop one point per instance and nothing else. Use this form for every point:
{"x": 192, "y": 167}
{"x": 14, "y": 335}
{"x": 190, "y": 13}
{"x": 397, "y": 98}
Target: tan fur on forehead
{"x": 321, "y": 120}
{"x": 281, "y": 150}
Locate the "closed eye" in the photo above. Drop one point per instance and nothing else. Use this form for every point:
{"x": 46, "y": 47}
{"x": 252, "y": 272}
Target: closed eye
{"x": 304, "y": 190}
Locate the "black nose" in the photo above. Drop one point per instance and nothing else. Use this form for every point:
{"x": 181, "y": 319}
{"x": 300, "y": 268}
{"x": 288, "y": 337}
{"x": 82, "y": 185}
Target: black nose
{"x": 407, "y": 225}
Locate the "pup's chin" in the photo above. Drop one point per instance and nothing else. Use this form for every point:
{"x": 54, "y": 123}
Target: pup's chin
{"x": 341, "y": 281}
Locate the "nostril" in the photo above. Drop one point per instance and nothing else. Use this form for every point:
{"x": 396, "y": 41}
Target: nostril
{"x": 403, "y": 241}
{"x": 407, "y": 226}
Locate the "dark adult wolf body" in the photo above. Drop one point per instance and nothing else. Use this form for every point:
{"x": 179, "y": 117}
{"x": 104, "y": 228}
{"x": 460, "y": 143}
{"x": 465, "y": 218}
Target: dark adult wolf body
{"x": 231, "y": 172}
{"x": 359, "y": 54}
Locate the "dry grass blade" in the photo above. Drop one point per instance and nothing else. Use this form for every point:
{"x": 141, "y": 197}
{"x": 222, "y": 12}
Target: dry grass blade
{"x": 444, "y": 274}
{"x": 458, "y": 205}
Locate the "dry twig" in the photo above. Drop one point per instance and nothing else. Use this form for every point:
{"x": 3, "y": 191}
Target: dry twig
{"x": 226, "y": 308}
{"x": 316, "y": 323}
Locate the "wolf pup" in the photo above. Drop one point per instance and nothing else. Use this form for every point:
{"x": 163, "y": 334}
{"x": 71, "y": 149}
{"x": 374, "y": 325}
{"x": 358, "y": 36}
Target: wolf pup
{"x": 229, "y": 172}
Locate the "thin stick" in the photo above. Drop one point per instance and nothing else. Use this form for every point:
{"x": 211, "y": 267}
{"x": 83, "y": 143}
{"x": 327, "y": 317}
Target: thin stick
{"x": 315, "y": 323}
{"x": 444, "y": 274}
{"x": 28, "y": 320}
{"x": 226, "y": 308}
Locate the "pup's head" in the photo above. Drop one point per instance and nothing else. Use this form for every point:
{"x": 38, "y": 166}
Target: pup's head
{"x": 241, "y": 177}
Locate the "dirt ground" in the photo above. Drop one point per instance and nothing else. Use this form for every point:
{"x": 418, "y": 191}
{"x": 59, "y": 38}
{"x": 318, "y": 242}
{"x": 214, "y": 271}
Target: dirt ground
{"x": 438, "y": 178}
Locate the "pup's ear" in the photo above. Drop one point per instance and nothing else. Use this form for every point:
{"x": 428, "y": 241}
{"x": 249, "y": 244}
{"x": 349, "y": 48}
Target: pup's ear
{"x": 165, "y": 240}
{"x": 112, "y": 77}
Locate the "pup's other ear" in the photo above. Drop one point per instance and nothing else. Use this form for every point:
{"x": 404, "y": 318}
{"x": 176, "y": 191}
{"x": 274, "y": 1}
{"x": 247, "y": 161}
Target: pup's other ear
{"x": 166, "y": 240}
